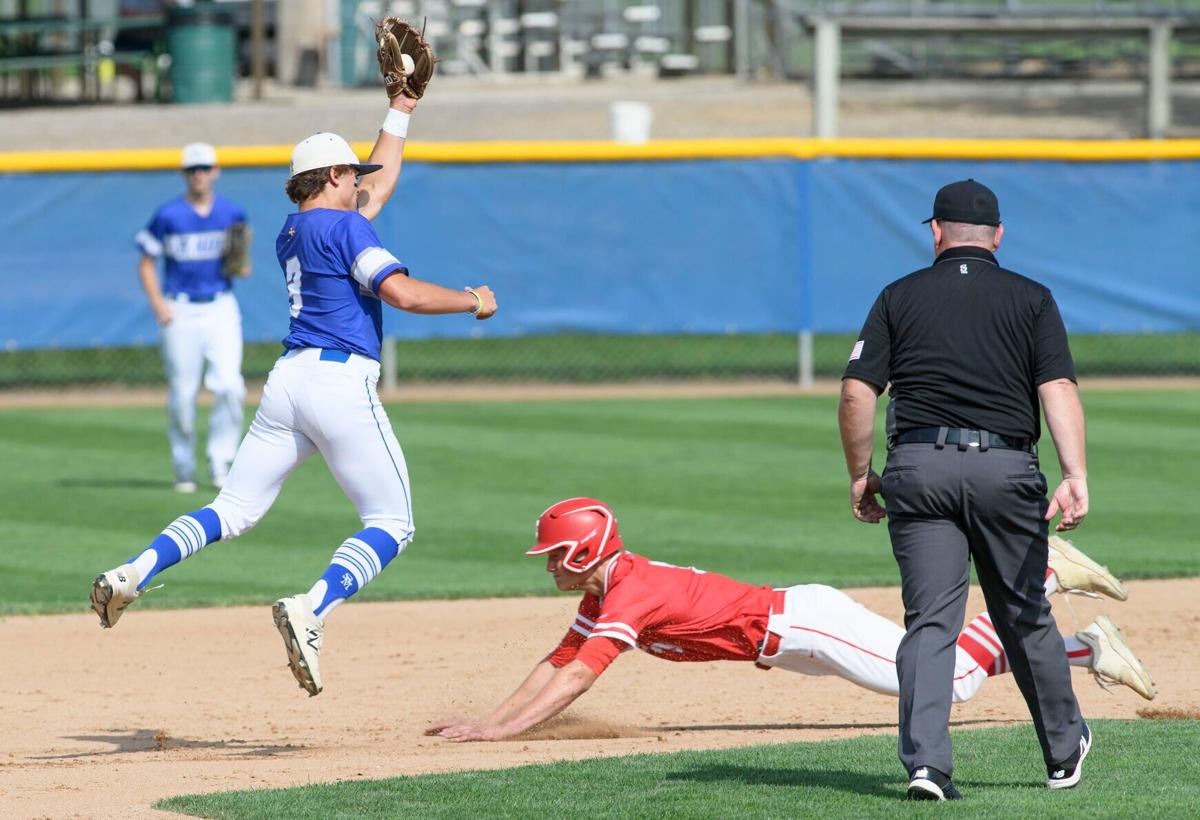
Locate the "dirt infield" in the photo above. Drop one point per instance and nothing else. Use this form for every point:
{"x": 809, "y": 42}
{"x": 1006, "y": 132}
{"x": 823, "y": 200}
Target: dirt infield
{"x": 102, "y": 724}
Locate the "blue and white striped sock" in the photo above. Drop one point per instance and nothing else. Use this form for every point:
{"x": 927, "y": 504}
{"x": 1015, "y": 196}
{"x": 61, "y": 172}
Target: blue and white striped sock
{"x": 183, "y": 538}
{"x": 360, "y": 558}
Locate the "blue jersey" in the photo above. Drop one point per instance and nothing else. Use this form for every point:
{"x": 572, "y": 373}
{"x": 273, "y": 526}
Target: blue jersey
{"x": 190, "y": 245}
{"x": 334, "y": 264}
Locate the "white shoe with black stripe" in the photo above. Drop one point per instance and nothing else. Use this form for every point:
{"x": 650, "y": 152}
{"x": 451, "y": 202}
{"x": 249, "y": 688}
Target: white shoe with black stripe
{"x": 112, "y": 592}
{"x": 303, "y": 633}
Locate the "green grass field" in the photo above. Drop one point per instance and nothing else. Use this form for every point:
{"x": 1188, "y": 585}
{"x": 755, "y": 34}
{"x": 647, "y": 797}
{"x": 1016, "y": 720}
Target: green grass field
{"x": 592, "y": 358}
{"x": 752, "y": 487}
{"x": 998, "y": 770}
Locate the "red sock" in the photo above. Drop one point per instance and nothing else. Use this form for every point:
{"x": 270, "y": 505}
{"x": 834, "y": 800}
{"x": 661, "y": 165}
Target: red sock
{"x": 980, "y": 641}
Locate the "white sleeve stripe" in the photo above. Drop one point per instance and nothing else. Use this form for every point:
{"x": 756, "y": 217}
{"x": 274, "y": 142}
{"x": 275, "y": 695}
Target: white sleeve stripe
{"x": 147, "y": 242}
{"x": 585, "y": 621}
{"x": 616, "y": 625}
{"x": 370, "y": 262}
{"x": 619, "y": 636}
{"x": 581, "y": 630}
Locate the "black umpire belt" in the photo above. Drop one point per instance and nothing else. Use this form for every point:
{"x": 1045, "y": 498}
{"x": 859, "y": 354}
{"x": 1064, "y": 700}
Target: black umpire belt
{"x": 961, "y": 438}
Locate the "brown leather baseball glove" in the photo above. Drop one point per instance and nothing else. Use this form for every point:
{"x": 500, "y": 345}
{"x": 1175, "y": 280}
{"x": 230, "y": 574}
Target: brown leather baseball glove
{"x": 397, "y": 39}
{"x": 235, "y": 258}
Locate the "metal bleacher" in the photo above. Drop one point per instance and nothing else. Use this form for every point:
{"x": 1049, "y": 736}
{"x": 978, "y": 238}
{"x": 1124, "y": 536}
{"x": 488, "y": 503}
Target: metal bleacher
{"x": 37, "y": 51}
{"x": 576, "y": 38}
{"x": 775, "y": 38}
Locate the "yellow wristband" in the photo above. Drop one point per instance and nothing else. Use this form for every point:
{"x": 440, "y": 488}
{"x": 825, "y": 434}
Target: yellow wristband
{"x": 478, "y": 300}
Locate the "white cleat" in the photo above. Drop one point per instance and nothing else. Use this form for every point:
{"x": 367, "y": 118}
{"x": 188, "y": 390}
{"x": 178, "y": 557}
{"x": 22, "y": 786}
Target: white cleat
{"x": 303, "y": 632}
{"x": 112, "y": 591}
{"x": 185, "y": 486}
{"x": 1112, "y": 659}
{"x": 1078, "y": 573}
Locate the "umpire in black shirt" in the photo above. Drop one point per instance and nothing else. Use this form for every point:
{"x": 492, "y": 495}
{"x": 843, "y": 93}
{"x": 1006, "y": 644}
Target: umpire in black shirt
{"x": 969, "y": 348}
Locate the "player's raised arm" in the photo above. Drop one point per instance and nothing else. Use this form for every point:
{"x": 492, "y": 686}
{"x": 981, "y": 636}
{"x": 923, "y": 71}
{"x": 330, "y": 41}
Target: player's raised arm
{"x": 376, "y": 189}
{"x": 406, "y": 62}
{"x": 559, "y": 692}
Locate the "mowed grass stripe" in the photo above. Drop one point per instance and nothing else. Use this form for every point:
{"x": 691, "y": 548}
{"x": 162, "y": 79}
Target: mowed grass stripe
{"x": 751, "y": 487}
{"x": 1136, "y": 769}
{"x": 579, "y": 358}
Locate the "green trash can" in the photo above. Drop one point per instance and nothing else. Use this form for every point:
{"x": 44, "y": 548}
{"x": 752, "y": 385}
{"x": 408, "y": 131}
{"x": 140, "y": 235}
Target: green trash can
{"x": 200, "y": 40}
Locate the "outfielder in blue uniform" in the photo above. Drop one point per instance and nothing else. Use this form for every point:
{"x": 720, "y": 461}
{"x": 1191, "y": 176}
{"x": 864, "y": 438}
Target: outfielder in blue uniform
{"x": 321, "y": 395}
{"x": 199, "y": 316}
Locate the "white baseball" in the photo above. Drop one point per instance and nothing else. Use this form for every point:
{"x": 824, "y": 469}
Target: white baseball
{"x": 407, "y": 63}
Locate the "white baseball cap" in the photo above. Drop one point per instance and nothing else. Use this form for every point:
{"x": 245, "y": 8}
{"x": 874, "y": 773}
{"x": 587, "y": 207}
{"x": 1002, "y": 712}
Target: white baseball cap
{"x": 323, "y": 151}
{"x": 198, "y": 153}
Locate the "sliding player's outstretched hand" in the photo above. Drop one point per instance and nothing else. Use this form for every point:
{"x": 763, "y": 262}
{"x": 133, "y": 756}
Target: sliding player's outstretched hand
{"x": 465, "y": 732}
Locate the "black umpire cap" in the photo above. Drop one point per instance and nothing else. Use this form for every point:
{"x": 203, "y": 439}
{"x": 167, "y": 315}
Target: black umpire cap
{"x": 966, "y": 201}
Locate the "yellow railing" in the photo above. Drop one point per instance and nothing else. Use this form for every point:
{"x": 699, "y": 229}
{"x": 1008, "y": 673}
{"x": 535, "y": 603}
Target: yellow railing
{"x": 600, "y": 151}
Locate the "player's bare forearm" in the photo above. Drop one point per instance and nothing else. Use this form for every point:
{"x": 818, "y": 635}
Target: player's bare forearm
{"x": 148, "y": 275}
{"x": 564, "y": 686}
{"x": 534, "y": 682}
{"x": 377, "y": 188}
{"x": 418, "y": 296}
{"x": 1064, "y": 417}
{"x": 856, "y": 421}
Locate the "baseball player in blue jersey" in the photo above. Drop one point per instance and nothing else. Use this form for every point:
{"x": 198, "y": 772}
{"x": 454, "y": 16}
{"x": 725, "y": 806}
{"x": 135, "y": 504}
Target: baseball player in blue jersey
{"x": 320, "y": 396}
{"x": 195, "y": 306}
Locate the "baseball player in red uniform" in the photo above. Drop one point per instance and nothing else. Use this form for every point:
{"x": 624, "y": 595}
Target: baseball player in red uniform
{"x": 685, "y": 614}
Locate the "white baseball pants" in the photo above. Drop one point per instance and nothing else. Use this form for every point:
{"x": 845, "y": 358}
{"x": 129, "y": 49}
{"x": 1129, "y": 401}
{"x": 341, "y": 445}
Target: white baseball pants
{"x": 204, "y": 338}
{"x": 328, "y": 405}
{"x": 823, "y": 631}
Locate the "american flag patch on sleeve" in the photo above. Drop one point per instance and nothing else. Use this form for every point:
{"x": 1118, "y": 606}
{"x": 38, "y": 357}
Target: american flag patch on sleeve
{"x": 857, "y": 351}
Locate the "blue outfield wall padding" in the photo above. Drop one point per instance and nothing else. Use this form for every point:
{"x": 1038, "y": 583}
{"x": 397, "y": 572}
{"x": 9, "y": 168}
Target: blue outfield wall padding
{"x": 681, "y": 246}
{"x": 1114, "y": 241}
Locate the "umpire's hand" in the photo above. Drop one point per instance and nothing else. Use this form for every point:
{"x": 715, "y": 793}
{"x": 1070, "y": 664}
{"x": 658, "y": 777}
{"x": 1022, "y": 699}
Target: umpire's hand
{"x": 862, "y": 498}
{"x": 1071, "y": 497}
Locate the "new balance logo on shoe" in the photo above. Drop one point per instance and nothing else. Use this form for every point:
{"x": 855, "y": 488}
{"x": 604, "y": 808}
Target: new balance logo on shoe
{"x": 927, "y": 783}
{"x": 302, "y": 634}
{"x": 1068, "y": 773}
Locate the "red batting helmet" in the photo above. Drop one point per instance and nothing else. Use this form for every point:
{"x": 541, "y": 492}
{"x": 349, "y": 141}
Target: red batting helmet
{"x": 587, "y": 529}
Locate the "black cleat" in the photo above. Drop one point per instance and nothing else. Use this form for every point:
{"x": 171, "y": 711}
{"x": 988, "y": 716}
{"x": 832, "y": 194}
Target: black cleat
{"x": 927, "y": 783}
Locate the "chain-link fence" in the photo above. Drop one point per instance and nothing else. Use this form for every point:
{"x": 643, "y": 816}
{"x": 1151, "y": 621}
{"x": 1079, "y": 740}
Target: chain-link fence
{"x": 585, "y": 359}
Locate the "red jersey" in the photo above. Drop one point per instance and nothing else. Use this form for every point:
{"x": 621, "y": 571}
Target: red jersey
{"x": 674, "y": 613}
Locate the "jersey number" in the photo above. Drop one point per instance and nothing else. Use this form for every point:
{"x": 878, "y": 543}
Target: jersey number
{"x": 292, "y": 273}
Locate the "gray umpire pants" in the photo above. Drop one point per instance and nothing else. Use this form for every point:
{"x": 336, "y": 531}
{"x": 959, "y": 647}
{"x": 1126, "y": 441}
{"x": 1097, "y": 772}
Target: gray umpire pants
{"x": 947, "y": 505}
